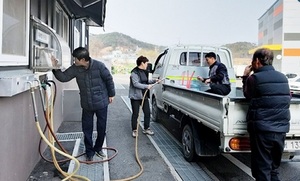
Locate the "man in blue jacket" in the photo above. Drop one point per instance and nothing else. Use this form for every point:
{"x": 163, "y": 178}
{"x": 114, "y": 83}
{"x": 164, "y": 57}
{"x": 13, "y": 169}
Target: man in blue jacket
{"x": 268, "y": 114}
{"x": 97, "y": 90}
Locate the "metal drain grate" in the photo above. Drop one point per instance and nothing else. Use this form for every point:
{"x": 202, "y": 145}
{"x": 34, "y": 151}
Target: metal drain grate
{"x": 94, "y": 171}
{"x": 72, "y": 136}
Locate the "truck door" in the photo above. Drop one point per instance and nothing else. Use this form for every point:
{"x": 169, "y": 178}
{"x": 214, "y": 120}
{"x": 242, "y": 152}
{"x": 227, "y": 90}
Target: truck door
{"x": 158, "y": 73}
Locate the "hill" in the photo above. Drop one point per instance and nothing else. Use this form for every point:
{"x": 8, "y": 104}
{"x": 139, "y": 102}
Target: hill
{"x": 122, "y": 50}
{"x": 116, "y": 40}
{"x": 240, "y": 52}
{"x": 119, "y": 41}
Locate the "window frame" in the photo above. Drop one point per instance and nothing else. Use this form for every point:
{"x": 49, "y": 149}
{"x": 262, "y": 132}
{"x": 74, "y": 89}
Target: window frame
{"x": 184, "y": 61}
{"x": 16, "y": 60}
{"x": 62, "y": 24}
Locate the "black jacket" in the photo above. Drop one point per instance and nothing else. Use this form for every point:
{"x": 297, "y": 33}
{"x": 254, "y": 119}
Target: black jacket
{"x": 218, "y": 73}
{"x": 95, "y": 84}
{"x": 269, "y": 101}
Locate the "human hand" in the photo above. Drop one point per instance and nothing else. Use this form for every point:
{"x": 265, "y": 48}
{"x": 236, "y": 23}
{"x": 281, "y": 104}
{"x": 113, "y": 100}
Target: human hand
{"x": 207, "y": 81}
{"x": 200, "y": 78}
{"x": 158, "y": 81}
{"x": 150, "y": 86}
{"x": 247, "y": 70}
{"x": 110, "y": 99}
{"x": 54, "y": 61}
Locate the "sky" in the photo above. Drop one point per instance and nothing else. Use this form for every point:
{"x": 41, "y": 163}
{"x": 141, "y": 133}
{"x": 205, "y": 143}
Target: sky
{"x": 170, "y": 22}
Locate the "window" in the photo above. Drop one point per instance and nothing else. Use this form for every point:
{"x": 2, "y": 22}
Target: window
{"x": 14, "y": 37}
{"x": 265, "y": 32}
{"x": 291, "y": 75}
{"x": 159, "y": 66}
{"x": 194, "y": 59}
{"x": 159, "y": 63}
{"x": 62, "y": 23}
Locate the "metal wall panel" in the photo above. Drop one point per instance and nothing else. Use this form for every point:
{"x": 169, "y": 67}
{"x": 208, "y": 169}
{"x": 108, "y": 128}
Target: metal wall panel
{"x": 71, "y": 105}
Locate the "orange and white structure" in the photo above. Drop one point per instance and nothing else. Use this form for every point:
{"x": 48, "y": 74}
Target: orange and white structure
{"x": 279, "y": 30}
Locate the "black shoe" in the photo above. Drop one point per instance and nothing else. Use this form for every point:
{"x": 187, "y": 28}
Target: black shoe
{"x": 100, "y": 154}
{"x": 89, "y": 158}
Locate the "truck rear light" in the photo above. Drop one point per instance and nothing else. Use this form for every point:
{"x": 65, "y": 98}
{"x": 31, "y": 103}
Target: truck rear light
{"x": 239, "y": 143}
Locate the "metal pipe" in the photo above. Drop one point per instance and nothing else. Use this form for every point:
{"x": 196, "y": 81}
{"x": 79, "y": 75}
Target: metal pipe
{"x": 33, "y": 101}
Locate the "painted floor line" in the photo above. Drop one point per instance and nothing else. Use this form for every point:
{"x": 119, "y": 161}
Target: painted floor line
{"x": 106, "y": 176}
{"x": 239, "y": 164}
{"x": 172, "y": 169}
{"x": 75, "y": 152}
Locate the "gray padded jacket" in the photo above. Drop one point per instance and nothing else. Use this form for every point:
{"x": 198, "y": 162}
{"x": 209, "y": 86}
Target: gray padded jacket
{"x": 138, "y": 83}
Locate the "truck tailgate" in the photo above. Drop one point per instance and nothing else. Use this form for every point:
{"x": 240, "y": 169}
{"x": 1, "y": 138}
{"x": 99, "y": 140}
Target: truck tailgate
{"x": 295, "y": 117}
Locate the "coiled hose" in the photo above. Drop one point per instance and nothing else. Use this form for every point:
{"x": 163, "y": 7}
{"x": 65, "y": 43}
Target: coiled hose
{"x": 48, "y": 114}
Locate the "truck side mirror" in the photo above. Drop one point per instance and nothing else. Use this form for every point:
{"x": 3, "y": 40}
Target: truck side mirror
{"x": 149, "y": 68}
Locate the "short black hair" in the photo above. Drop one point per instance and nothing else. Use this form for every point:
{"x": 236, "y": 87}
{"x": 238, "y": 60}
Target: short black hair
{"x": 80, "y": 53}
{"x": 211, "y": 55}
{"x": 264, "y": 55}
{"x": 141, "y": 59}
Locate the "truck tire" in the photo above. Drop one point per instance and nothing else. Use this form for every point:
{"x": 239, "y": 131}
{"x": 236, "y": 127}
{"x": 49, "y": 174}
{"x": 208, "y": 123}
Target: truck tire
{"x": 155, "y": 115}
{"x": 188, "y": 147}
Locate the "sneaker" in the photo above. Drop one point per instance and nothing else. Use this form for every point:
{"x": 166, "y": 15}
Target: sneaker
{"x": 89, "y": 158}
{"x": 100, "y": 154}
{"x": 134, "y": 133}
{"x": 148, "y": 131}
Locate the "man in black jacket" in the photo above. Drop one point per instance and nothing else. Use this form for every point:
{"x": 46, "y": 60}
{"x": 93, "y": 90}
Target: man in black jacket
{"x": 268, "y": 114}
{"x": 97, "y": 90}
{"x": 218, "y": 79}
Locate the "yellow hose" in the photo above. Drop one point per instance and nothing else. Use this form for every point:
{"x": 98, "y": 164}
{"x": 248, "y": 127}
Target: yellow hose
{"x": 136, "y": 144}
{"x": 136, "y": 140}
{"x": 68, "y": 176}
{"x": 50, "y": 114}
{"x": 51, "y": 143}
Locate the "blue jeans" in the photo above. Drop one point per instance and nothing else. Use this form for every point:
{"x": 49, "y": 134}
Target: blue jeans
{"x": 88, "y": 127}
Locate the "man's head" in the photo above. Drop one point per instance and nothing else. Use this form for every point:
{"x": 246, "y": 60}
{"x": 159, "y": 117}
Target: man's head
{"x": 210, "y": 58}
{"x": 142, "y": 62}
{"x": 81, "y": 56}
{"x": 262, "y": 57}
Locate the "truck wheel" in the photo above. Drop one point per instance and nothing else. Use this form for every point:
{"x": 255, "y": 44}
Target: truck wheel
{"x": 155, "y": 111}
{"x": 188, "y": 146}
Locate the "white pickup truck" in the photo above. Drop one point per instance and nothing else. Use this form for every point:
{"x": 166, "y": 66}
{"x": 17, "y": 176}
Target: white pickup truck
{"x": 209, "y": 124}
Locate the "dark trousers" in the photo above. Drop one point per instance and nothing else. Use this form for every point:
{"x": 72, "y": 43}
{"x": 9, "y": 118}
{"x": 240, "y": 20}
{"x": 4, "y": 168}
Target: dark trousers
{"x": 266, "y": 152}
{"x": 221, "y": 89}
{"x": 88, "y": 127}
{"x": 135, "y": 106}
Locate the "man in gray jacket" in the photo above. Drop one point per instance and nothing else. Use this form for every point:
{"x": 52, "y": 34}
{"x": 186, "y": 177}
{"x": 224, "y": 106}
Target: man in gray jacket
{"x": 97, "y": 90}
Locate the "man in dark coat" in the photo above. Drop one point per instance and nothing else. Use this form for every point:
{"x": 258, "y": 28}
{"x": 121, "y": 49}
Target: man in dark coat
{"x": 268, "y": 114}
{"x": 97, "y": 90}
{"x": 218, "y": 76}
